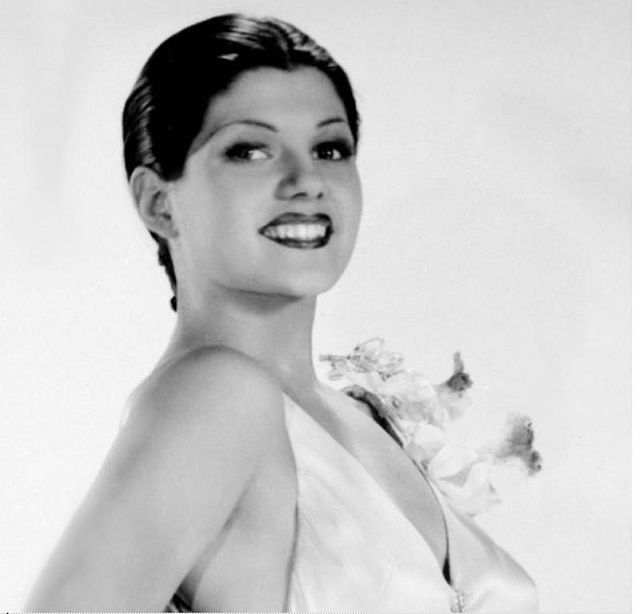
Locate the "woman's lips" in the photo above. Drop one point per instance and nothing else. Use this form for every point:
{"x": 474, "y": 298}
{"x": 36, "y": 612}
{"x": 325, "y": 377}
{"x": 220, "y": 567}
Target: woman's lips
{"x": 299, "y": 230}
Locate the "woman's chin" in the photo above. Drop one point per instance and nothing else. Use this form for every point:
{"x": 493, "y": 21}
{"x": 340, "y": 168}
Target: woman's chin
{"x": 294, "y": 282}
{"x": 307, "y": 288}
{"x": 306, "y": 285}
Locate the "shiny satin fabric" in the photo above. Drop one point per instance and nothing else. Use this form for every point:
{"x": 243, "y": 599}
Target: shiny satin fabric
{"x": 356, "y": 551}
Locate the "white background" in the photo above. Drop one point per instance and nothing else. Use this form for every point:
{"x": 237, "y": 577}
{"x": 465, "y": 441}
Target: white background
{"x": 495, "y": 163}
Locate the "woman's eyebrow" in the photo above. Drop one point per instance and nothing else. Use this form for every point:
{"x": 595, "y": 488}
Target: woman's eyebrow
{"x": 331, "y": 120}
{"x": 271, "y": 127}
{"x": 244, "y": 122}
{"x": 207, "y": 136}
{"x": 199, "y": 142}
{"x": 256, "y": 122}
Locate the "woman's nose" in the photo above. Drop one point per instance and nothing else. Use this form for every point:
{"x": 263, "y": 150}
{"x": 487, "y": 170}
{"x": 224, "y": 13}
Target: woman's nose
{"x": 301, "y": 178}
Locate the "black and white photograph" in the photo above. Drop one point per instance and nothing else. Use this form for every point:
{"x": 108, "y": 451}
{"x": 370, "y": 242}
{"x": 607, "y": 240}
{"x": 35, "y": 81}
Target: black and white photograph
{"x": 316, "y": 306}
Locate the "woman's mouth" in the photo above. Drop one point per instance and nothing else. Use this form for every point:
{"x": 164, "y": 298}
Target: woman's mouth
{"x": 299, "y": 231}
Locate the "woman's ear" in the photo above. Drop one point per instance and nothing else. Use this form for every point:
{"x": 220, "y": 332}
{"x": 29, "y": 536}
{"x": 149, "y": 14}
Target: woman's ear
{"x": 151, "y": 195}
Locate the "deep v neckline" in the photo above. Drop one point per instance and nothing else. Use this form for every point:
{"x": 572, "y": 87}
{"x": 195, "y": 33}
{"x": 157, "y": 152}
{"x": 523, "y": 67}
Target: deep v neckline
{"x": 325, "y": 390}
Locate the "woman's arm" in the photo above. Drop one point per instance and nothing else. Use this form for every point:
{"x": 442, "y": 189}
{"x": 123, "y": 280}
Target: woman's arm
{"x": 189, "y": 448}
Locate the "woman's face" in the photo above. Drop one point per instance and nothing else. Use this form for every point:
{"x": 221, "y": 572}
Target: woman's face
{"x": 270, "y": 198}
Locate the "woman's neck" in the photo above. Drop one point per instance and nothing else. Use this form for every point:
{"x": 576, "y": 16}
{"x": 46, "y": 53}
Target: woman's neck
{"x": 274, "y": 330}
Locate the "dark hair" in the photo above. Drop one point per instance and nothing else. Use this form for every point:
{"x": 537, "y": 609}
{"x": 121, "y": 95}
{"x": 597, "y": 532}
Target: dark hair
{"x": 167, "y": 106}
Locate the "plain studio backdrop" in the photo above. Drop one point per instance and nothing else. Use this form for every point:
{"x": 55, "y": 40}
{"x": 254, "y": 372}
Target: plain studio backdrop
{"x": 495, "y": 161}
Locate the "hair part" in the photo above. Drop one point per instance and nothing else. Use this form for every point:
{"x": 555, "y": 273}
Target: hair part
{"x": 167, "y": 106}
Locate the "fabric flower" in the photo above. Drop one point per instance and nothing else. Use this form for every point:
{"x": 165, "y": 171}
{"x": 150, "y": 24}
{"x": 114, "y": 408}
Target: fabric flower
{"x": 516, "y": 443}
{"x": 411, "y": 394}
{"x": 368, "y": 363}
{"x": 416, "y": 414}
{"x": 469, "y": 487}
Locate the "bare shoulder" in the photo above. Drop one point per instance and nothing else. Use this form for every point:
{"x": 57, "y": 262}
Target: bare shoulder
{"x": 194, "y": 440}
{"x": 211, "y": 387}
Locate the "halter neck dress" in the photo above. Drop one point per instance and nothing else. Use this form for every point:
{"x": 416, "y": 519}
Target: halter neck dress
{"x": 356, "y": 551}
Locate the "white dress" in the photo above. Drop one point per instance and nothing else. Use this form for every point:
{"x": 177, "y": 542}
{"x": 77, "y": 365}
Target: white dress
{"x": 355, "y": 550}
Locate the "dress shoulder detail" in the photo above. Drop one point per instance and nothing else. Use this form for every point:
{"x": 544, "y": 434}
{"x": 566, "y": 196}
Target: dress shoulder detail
{"x": 418, "y": 415}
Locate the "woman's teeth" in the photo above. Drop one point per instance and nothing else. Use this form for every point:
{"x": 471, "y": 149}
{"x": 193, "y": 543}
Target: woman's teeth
{"x": 297, "y": 232}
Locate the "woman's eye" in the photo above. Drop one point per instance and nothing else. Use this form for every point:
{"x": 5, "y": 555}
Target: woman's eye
{"x": 249, "y": 152}
{"x": 334, "y": 150}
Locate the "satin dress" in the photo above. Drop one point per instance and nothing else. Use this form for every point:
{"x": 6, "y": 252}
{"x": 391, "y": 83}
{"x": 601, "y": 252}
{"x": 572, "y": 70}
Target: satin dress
{"x": 356, "y": 551}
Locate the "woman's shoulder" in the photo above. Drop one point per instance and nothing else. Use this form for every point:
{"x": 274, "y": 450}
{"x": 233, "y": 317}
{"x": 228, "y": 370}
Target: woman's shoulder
{"x": 208, "y": 385}
{"x": 195, "y": 439}
{"x": 212, "y": 412}
{"x": 201, "y": 427}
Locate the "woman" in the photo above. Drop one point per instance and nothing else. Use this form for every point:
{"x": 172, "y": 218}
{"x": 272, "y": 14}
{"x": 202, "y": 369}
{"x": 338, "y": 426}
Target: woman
{"x": 238, "y": 481}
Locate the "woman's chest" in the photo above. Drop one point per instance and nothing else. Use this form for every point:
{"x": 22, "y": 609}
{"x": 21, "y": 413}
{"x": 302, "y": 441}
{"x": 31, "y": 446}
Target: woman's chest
{"x": 365, "y": 443}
